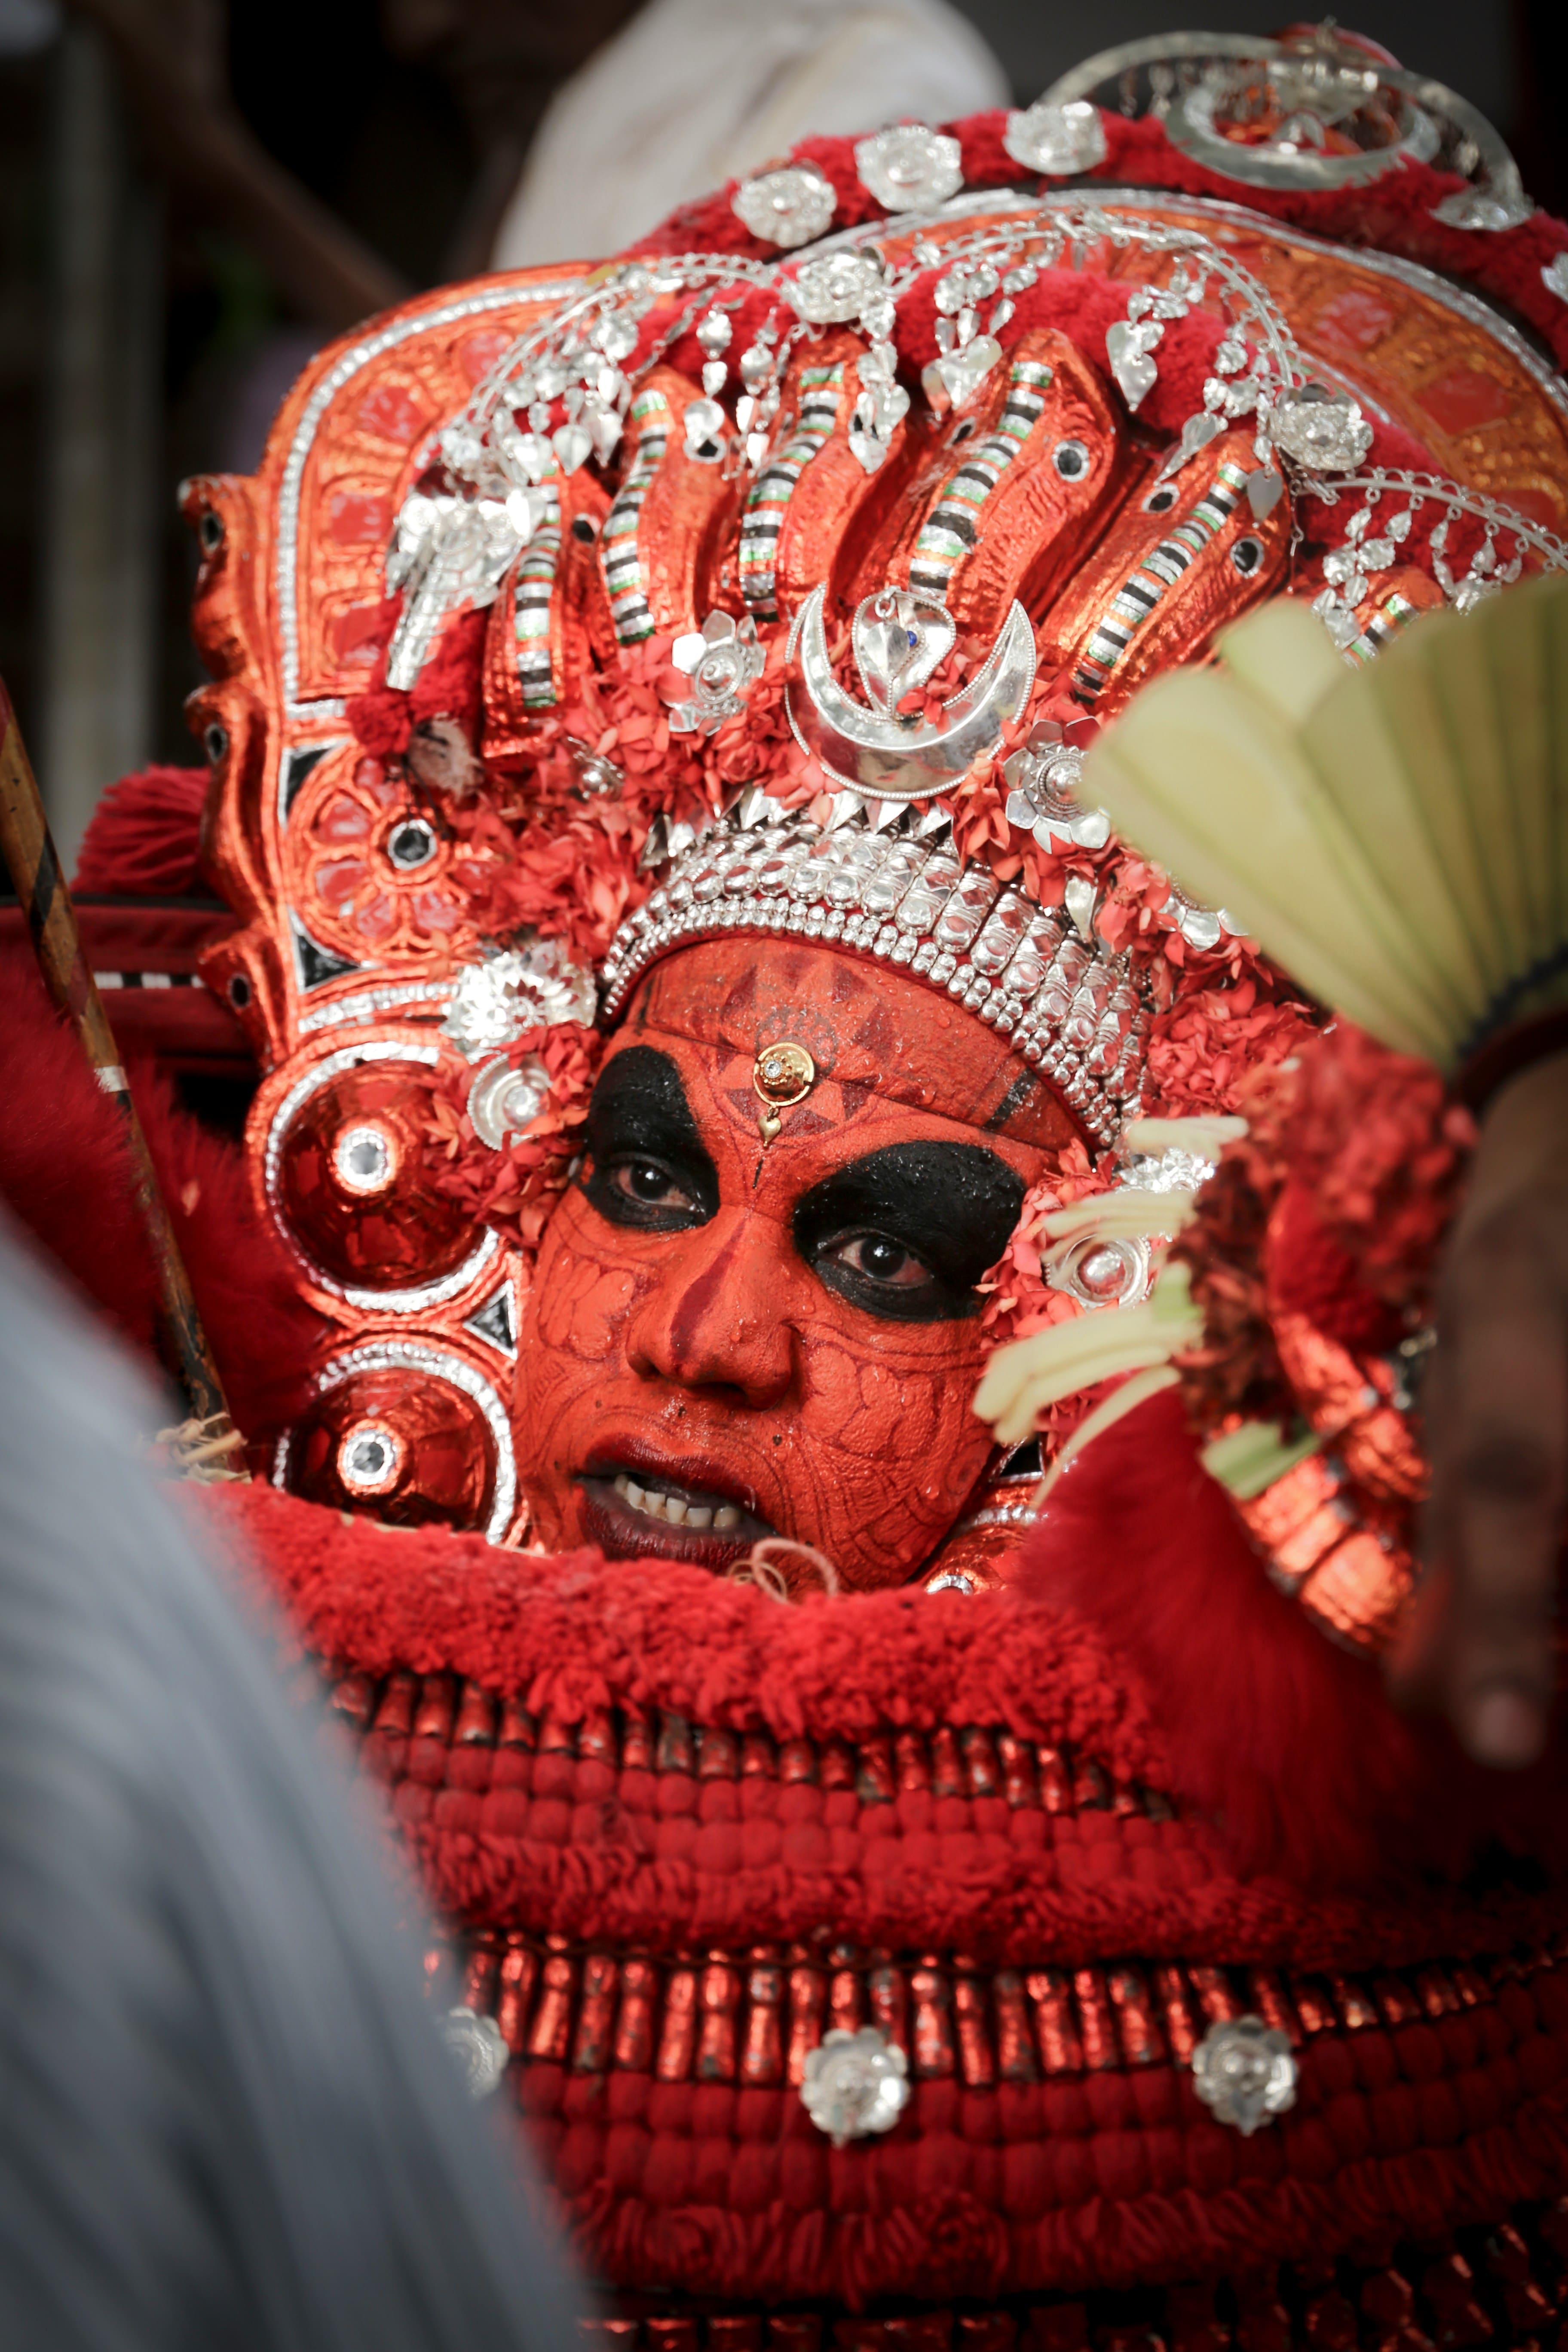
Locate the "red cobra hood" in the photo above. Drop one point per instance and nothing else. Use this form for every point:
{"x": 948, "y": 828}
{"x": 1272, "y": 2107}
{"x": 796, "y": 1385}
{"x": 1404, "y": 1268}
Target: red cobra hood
{"x": 687, "y": 1829}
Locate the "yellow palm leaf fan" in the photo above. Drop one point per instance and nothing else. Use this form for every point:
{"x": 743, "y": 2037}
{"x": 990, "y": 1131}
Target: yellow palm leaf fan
{"x": 1395, "y": 836}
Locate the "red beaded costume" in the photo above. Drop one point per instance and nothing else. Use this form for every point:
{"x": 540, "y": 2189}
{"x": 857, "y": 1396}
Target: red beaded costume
{"x": 646, "y": 712}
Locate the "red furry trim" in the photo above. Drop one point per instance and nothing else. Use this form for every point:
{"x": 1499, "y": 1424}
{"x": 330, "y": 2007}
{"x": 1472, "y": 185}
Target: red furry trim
{"x": 562, "y": 1846}
{"x": 1288, "y": 1742}
{"x": 64, "y": 1172}
{"x": 946, "y": 2215}
{"x": 1113, "y": 2178}
{"x": 145, "y": 837}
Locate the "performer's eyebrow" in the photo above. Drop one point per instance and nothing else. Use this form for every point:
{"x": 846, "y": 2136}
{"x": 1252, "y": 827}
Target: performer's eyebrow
{"x": 952, "y": 1204}
{"x": 639, "y": 1105}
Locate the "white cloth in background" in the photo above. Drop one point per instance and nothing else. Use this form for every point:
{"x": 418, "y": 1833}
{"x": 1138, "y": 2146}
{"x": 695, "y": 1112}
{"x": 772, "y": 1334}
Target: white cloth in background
{"x": 691, "y": 93}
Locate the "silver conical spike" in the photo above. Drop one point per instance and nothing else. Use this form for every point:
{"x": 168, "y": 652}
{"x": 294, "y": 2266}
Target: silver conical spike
{"x": 847, "y": 808}
{"x": 931, "y": 823}
{"x": 749, "y": 808}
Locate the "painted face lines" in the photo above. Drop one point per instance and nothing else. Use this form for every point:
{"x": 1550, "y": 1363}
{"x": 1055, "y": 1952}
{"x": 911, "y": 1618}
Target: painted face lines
{"x": 727, "y": 1340}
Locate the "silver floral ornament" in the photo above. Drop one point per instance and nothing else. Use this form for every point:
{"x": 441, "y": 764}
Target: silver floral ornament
{"x": 909, "y": 165}
{"x": 1555, "y": 276}
{"x": 1057, "y": 140}
{"x": 836, "y": 288}
{"x": 787, "y": 207}
{"x": 504, "y": 1100}
{"x": 530, "y": 986}
{"x": 1322, "y": 430}
{"x": 479, "y": 2048}
{"x": 1244, "y": 2072}
{"x": 854, "y": 2083}
{"x": 1042, "y": 784}
{"x": 722, "y": 659}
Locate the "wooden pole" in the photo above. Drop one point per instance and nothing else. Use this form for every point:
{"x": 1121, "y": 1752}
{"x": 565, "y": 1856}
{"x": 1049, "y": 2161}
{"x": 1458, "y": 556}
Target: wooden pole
{"x": 29, "y": 852}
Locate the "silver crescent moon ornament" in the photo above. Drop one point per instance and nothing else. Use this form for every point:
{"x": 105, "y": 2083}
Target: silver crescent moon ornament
{"x": 900, "y": 639}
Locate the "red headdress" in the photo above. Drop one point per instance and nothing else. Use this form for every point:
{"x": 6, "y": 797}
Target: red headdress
{"x": 577, "y": 614}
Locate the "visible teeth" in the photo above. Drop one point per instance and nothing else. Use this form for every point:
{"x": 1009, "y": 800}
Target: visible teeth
{"x": 674, "y": 1510}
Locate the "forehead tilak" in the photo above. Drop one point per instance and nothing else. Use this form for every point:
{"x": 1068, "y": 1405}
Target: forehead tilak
{"x": 876, "y": 1031}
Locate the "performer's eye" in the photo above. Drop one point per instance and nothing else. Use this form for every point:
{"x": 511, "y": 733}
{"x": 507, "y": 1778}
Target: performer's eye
{"x": 648, "y": 1183}
{"x": 907, "y": 1232}
{"x": 645, "y": 1165}
{"x": 876, "y": 1258}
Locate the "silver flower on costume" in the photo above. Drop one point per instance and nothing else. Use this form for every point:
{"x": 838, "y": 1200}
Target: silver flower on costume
{"x": 1245, "y": 2074}
{"x": 837, "y": 287}
{"x": 1320, "y": 429}
{"x": 791, "y": 206}
{"x": 530, "y": 986}
{"x": 504, "y": 1100}
{"x": 1201, "y": 927}
{"x": 910, "y": 165}
{"x": 1555, "y": 276}
{"x": 722, "y": 659}
{"x": 1057, "y": 140}
{"x": 479, "y": 2048}
{"x": 1043, "y": 780}
{"x": 855, "y": 2084}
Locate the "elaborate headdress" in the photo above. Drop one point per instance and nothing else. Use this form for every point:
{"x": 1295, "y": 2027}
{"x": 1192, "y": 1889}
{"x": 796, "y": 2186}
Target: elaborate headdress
{"x": 575, "y": 615}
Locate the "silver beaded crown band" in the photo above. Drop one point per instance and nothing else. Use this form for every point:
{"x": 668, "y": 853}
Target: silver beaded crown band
{"x": 1068, "y": 1004}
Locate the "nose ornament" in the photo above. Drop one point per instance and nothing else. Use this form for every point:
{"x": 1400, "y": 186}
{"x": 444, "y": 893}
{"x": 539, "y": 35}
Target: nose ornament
{"x": 781, "y": 1075}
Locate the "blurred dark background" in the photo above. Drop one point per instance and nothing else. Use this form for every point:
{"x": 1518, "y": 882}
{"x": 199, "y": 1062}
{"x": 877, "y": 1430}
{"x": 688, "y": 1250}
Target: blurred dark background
{"x": 407, "y": 120}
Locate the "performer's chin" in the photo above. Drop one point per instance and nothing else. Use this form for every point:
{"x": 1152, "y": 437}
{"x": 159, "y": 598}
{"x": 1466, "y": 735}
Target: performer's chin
{"x": 639, "y": 1509}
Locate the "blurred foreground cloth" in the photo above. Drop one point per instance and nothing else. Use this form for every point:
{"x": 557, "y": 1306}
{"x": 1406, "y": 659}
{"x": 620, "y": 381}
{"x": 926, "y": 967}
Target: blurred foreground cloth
{"x": 225, "y": 2117}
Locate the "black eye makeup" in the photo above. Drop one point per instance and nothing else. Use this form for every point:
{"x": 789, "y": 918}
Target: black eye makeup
{"x": 908, "y": 1230}
{"x": 646, "y": 1166}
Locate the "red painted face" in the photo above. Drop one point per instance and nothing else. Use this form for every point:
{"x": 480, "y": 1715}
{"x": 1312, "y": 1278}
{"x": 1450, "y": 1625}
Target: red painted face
{"x": 726, "y": 1341}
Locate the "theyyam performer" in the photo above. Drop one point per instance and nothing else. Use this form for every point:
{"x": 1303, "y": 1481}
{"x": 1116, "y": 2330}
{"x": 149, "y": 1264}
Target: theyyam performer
{"x": 690, "y": 742}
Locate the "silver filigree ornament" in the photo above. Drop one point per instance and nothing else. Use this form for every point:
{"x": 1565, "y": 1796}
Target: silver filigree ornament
{"x": 881, "y": 407}
{"x": 835, "y": 287}
{"x": 1350, "y": 570}
{"x": 794, "y": 205}
{"x": 1244, "y": 2072}
{"x": 723, "y": 661}
{"x": 533, "y": 985}
{"x": 1322, "y": 430}
{"x": 1171, "y": 1170}
{"x": 900, "y": 641}
{"x": 506, "y": 1098}
{"x": 448, "y": 550}
{"x": 1202, "y": 927}
{"x": 478, "y": 2046}
{"x": 1057, "y": 140}
{"x": 597, "y": 775}
{"x": 910, "y": 165}
{"x": 1042, "y": 781}
{"x": 855, "y": 2084}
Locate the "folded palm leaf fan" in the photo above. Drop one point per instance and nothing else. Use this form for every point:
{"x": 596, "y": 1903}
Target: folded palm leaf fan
{"x": 1395, "y": 836}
